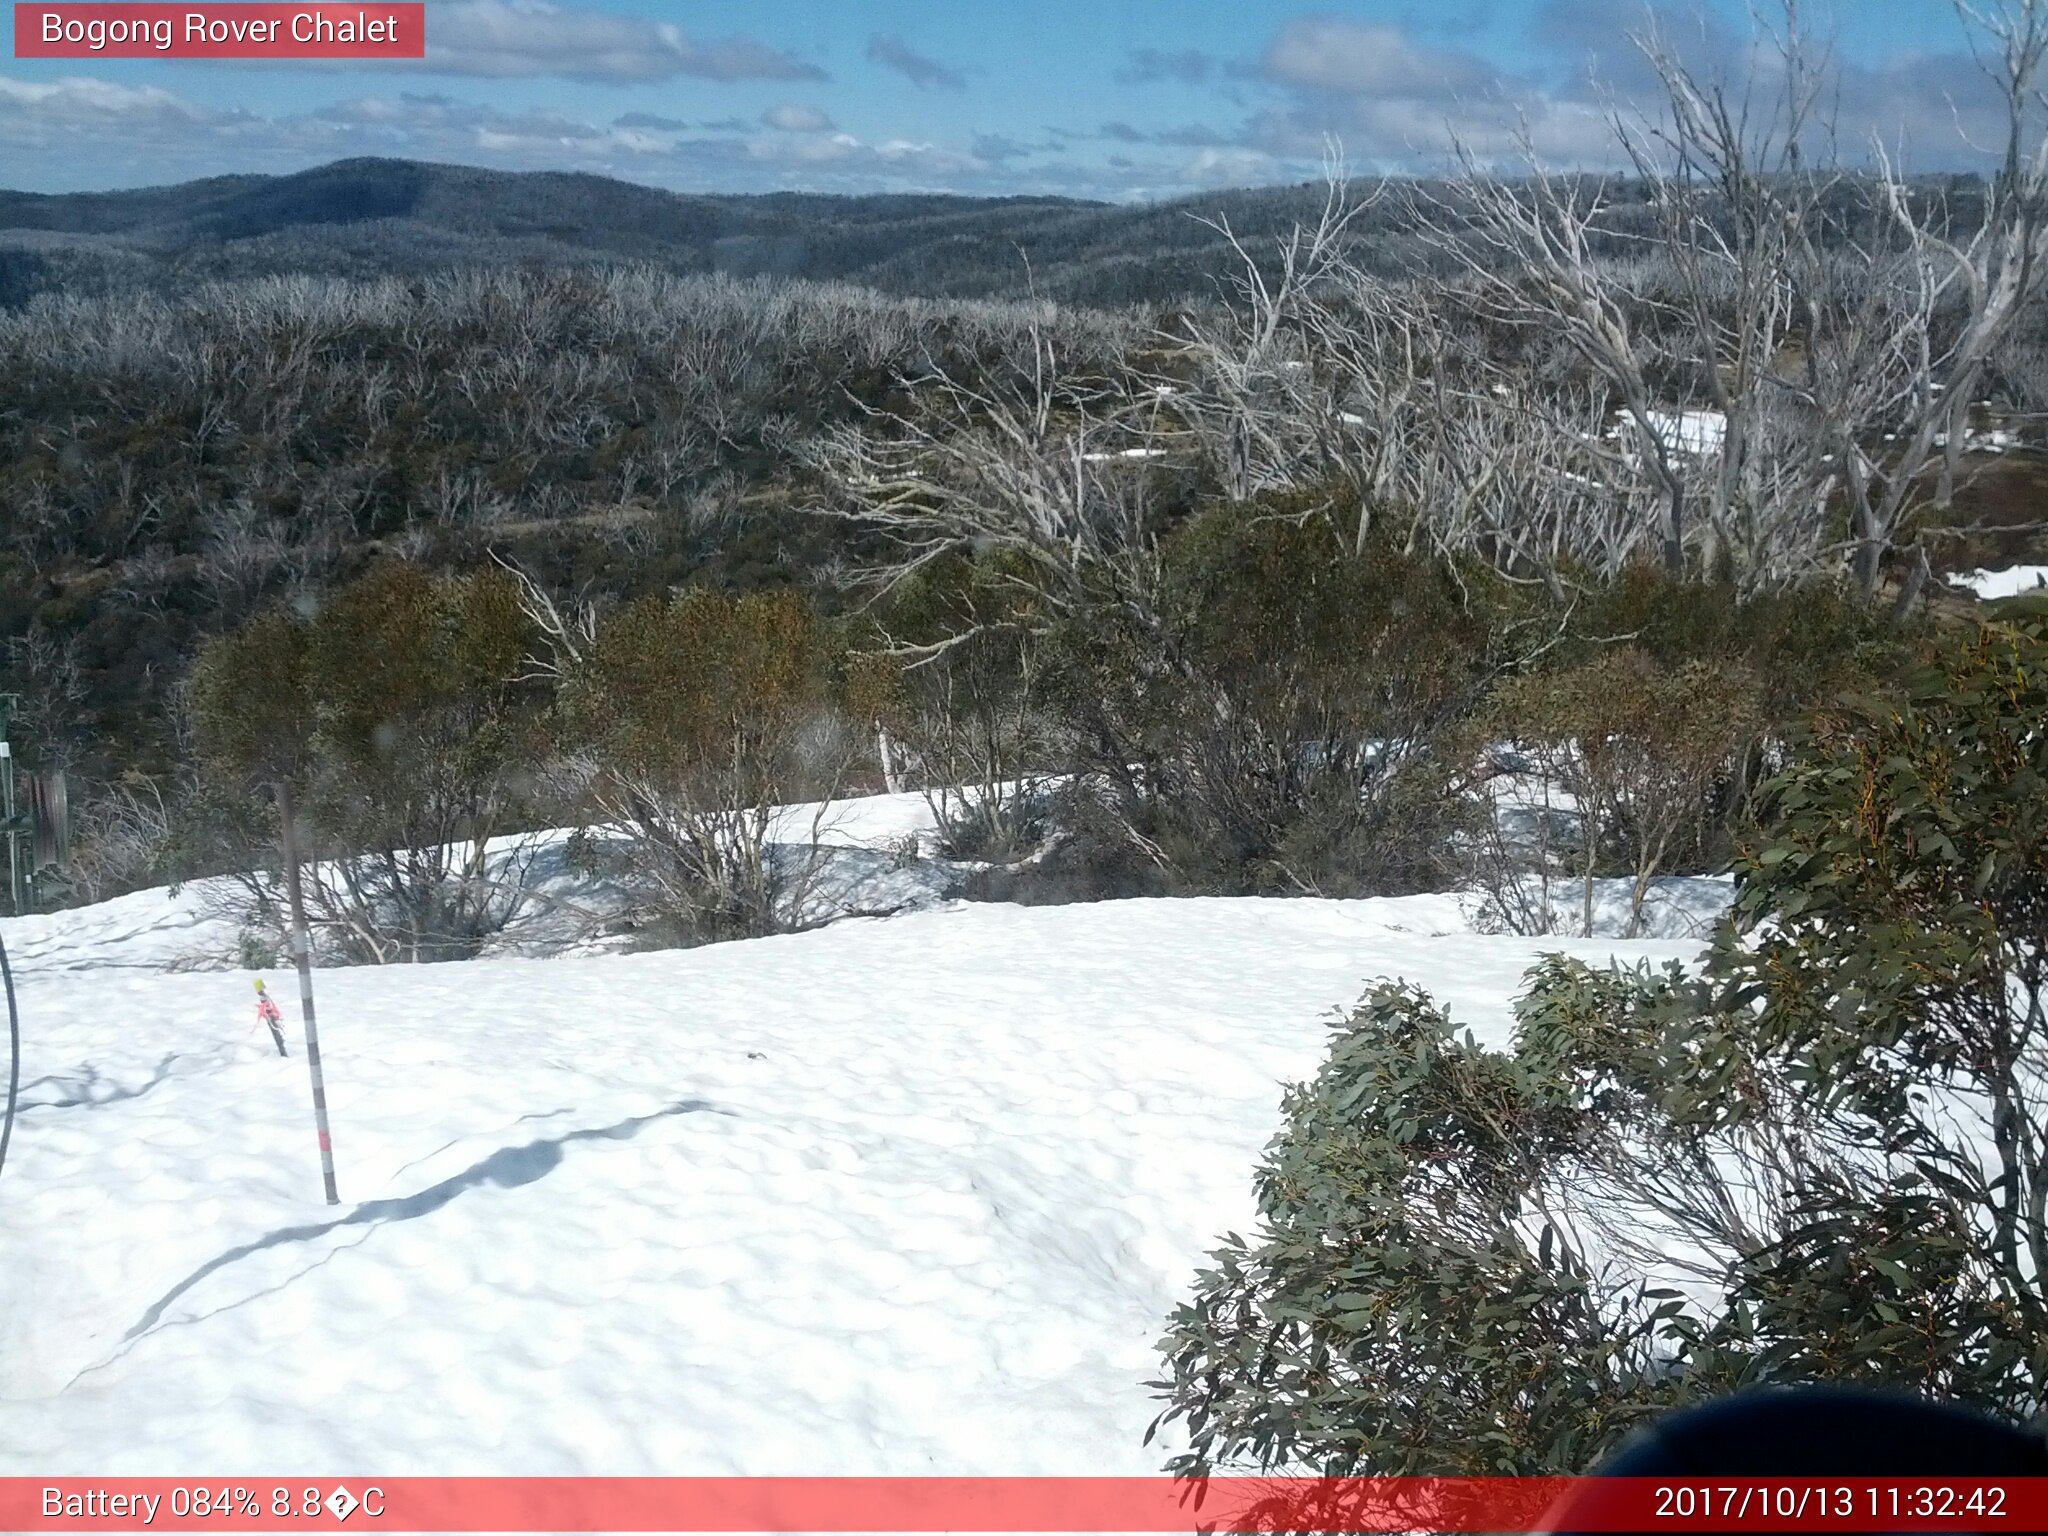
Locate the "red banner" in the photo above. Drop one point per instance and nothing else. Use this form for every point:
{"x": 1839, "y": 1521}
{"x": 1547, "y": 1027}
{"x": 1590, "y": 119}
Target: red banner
{"x": 1049, "y": 1504}
{"x": 220, "y": 31}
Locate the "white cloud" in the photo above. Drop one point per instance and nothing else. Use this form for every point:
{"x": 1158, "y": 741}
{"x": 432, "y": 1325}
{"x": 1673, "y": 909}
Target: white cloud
{"x": 81, "y": 101}
{"x": 531, "y": 37}
{"x": 1233, "y": 167}
{"x": 796, "y": 119}
{"x": 1395, "y": 104}
{"x": 810, "y": 149}
{"x": 1349, "y": 57}
{"x": 929, "y": 159}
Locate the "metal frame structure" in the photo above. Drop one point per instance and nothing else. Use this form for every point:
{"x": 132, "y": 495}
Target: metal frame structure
{"x": 35, "y": 823}
{"x": 16, "y": 825}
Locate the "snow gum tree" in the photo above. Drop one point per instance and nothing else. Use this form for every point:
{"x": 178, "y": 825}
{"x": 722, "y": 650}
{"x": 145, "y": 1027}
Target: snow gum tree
{"x": 1823, "y": 1156}
{"x": 394, "y": 717}
{"x": 698, "y": 714}
{"x": 1639, "y": 748}
{"x": 430, "y": 743}
{"x": 1273, "y": 722}
{"x": 962, "y": 663}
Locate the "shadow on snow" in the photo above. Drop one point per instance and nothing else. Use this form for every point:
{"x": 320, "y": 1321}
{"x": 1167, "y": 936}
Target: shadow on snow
{"x": 506, "y": 1168}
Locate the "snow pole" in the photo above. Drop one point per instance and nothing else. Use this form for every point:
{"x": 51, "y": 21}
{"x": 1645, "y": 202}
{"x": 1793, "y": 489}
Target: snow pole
{"x": 13, "y": 1056}
{"x": 267, "y": 1016}
{"x": 302, "y": 954}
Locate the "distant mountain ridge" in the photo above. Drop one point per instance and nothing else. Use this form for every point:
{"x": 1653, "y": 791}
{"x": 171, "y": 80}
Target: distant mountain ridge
{"x": 371, "y": 216}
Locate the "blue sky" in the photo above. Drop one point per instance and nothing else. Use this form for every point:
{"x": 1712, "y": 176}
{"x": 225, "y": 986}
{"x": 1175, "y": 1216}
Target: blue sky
{"x": 1114, "y": 99}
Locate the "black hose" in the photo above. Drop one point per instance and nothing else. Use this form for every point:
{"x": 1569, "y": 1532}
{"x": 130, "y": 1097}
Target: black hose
{"x": 14, "y": 1055}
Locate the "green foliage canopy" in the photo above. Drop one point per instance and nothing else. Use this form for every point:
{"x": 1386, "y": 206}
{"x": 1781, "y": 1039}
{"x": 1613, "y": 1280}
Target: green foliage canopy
{"x": 1825, "y": 1156}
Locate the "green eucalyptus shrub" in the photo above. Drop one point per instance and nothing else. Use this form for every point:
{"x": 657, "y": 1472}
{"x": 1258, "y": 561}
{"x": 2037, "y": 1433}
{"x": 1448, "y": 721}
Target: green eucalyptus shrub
{"x": 696, "y": 716}
{"x": 1273, "y": 719}
{"x": 397, "y": 716}
{"x": 1821, "y": 1156}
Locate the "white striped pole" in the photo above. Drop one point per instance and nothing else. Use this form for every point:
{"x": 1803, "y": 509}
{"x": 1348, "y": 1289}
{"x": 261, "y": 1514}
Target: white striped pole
{"x": 302, "y": 953}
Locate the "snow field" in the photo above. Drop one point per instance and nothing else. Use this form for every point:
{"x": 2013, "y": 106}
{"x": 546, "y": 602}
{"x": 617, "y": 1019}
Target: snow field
{"x": 2011, "y": 582}
{"x": 888, "y": 1197}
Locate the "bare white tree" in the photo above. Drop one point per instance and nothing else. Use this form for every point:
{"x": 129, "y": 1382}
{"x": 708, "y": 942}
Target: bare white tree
{"x": 1803, "y": 339}
{"x": 1040, "y": 469}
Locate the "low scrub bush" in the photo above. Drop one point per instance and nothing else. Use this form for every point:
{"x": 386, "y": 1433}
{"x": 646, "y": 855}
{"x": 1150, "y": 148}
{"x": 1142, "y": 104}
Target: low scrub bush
{"x": 397, "y": 717}
{"x": 1647, "y": 755}
{"x": 696, "y": 716}
{"x": 1821, "y": 1157}
{"x": 1277, "y": 722}
{"x": 964, "y": 704}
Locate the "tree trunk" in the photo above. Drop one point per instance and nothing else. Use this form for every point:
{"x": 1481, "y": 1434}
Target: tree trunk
{"x": 302, "y": 955}
{"x": 891, "y": 779}
{"x": 1916, "y": 580}
{"x": 1674, "y": 528}
{"x": 1868, "y": 565}
{"x": 1648, "y": 862}
{"x": 1588, "y": 855}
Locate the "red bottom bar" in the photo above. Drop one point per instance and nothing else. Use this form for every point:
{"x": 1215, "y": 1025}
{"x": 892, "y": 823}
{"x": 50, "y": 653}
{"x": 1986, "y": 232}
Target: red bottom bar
{"x": 1023, "y": 1504}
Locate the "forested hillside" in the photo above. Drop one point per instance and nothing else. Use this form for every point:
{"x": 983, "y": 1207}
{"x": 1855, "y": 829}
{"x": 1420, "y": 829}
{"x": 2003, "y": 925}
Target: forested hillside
{"x": 377, "y": 217}
{"x": 169, "y": 468}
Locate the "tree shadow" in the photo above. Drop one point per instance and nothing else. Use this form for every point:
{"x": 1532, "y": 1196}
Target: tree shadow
{"x": 89, "y": 1090}
{"x": 506, "y": 1168}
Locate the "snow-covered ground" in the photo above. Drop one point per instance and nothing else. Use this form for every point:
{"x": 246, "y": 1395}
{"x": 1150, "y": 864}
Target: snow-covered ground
{"x": 893, "y": 1196}
{"x": 873, "y": 853}
{"x": 2006, "y": 583}
{"x": 1699, "y": 433}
